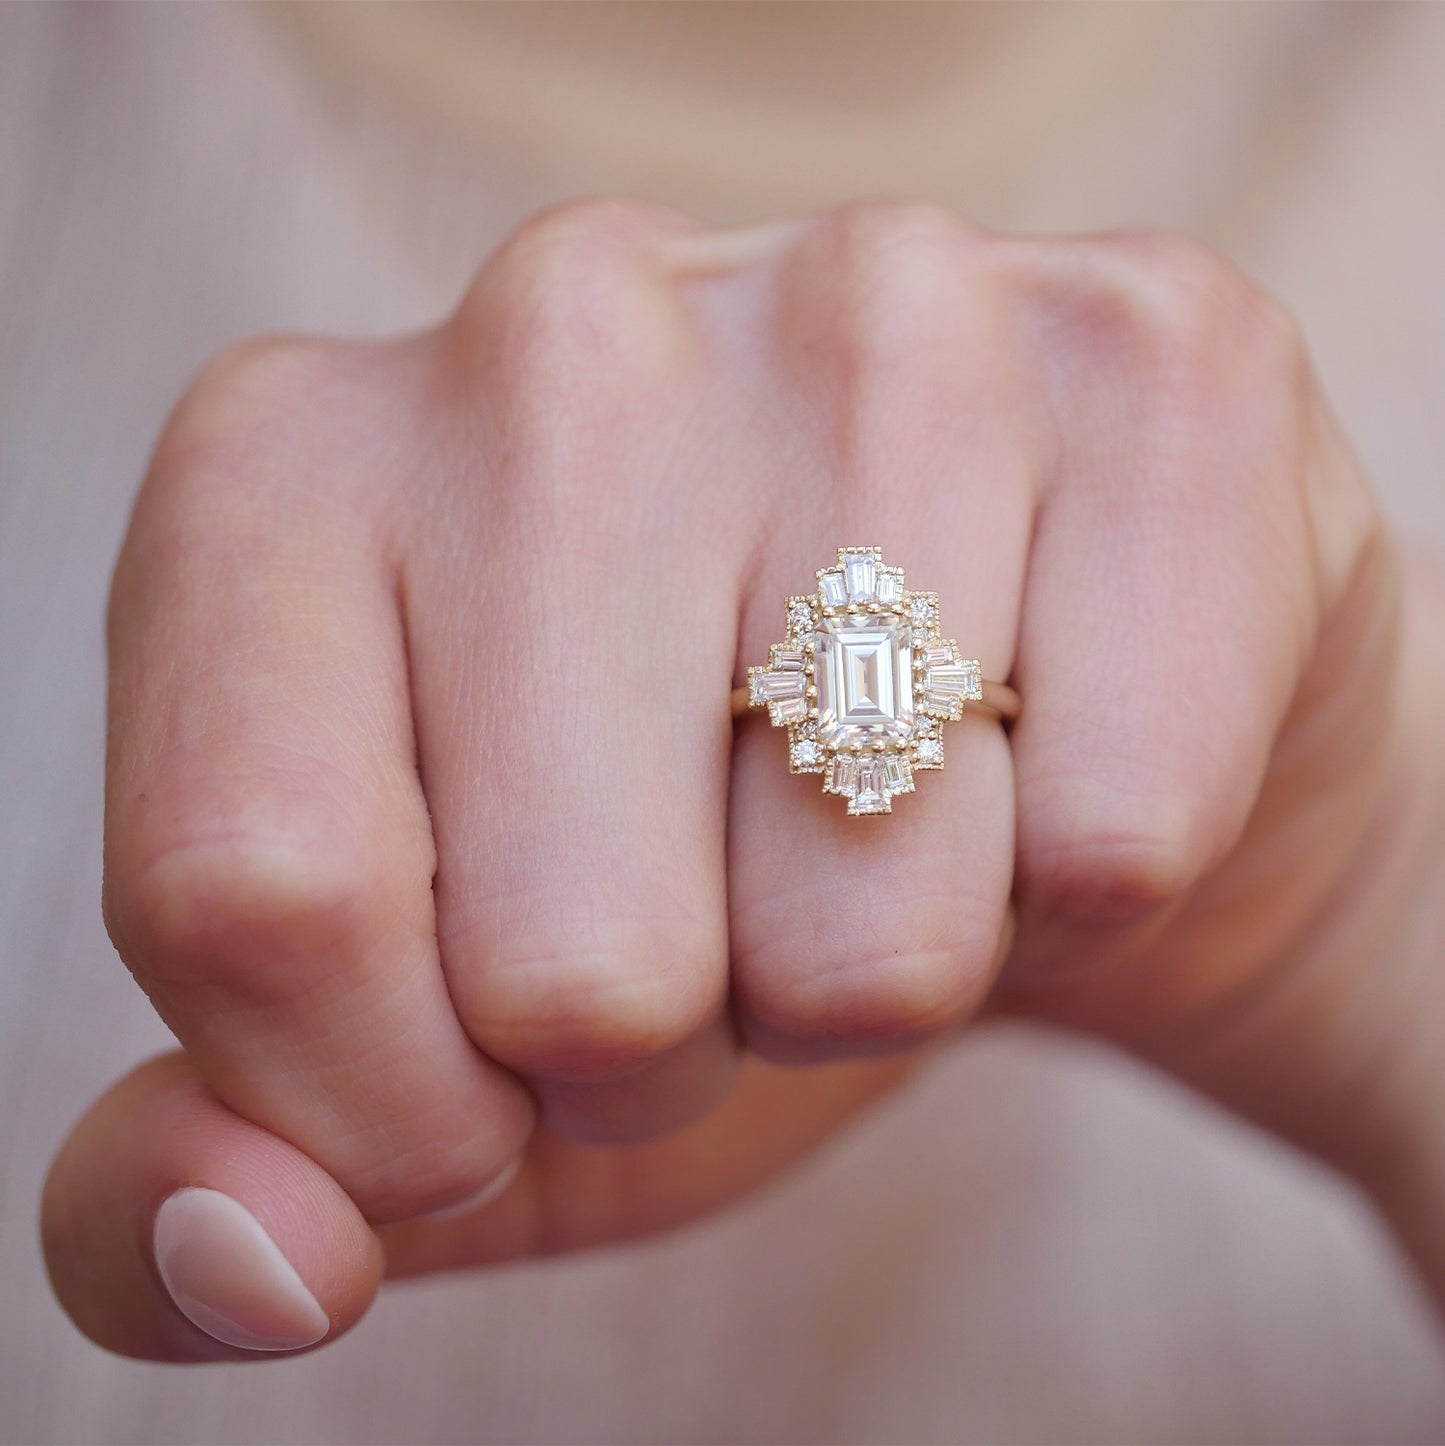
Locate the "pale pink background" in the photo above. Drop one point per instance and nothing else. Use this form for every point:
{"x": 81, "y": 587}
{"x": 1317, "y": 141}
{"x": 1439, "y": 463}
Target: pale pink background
{"x": 1041, "y": 1243}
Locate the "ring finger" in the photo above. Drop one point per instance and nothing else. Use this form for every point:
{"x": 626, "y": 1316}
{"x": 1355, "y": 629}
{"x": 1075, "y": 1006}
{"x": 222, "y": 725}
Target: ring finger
{"x": 857, "y": 935}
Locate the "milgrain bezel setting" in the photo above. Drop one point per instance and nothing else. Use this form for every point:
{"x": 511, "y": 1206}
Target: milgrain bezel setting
{"x": 863, "y": 682}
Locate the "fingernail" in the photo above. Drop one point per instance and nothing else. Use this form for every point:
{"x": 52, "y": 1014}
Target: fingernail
{"x": 484, "y": 1196}
{"x": 227, "y": 1276}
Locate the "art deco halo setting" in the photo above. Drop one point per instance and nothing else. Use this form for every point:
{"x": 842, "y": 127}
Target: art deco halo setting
{"x": 864, "y": 681}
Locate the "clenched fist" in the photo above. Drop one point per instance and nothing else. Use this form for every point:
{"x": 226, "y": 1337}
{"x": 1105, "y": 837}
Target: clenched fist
{"x": 429, "y": 834}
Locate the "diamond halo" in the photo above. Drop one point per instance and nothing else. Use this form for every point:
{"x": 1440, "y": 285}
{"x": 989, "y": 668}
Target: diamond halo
{"x": 863, "y": 681}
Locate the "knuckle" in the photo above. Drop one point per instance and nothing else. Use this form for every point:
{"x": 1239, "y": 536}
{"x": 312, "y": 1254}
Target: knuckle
{"x": 578, "y": 294}
{"x": 1178, "y": 309}
{"x": 880, "y": 232}
{"x": 258, "y": 917}
{"x": 859, "y": 1005}
{"x": 1111, "y": 877}
{"x": 1176, "y": 284}
{"x": 887, "y": 986}
{"x": 272, "y": 416}
{"x": 252, "y": 386}
{"x": 592, "y": 1016}
{"x": 889, "y": 307}
{"x": 582, "y": 223}
{"x": 891, "y": 271}
{"x": 435, "y": 1174}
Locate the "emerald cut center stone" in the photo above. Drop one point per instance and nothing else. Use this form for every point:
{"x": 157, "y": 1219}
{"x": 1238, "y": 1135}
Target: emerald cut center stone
{"x": 863, "y": 668}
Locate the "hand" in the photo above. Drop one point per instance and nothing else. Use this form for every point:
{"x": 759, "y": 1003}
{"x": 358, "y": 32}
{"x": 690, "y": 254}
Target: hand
{"x": 421, "y": 828}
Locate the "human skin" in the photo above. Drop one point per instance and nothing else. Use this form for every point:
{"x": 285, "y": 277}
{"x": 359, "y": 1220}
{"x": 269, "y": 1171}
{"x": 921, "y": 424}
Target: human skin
{"x": 429, "y": 834}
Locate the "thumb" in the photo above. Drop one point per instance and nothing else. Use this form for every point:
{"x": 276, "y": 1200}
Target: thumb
{"x": 175, "y": 1230}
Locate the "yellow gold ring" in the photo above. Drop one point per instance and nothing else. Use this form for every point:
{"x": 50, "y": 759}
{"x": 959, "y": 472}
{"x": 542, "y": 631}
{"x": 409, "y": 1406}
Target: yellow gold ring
{"x": 864, "y": 682}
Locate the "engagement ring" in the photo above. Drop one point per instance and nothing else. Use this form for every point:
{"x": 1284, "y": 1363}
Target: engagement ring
{"x": 864, "y": 682}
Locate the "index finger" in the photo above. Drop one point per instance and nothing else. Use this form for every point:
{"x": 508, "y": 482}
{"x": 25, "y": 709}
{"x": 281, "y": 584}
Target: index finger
{"x": 268, "y": 849}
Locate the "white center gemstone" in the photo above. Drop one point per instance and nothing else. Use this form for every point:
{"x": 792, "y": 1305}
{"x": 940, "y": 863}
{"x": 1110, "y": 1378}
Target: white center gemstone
{"x": 864, "y": 676}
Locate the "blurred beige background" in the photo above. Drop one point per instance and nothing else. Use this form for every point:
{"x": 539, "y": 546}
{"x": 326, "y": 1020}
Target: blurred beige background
{"x": 1040, "y": 1243}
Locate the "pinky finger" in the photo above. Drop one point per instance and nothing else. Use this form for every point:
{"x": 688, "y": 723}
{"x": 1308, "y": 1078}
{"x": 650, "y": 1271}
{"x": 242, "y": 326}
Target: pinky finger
{"x": 175, "y": 1230}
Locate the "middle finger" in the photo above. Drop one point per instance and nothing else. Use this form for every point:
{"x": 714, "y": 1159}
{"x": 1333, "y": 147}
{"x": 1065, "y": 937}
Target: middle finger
{"x": 572, "y": 732}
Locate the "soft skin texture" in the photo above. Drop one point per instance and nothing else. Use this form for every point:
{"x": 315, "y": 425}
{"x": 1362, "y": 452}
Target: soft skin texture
{"x": 429, "y": 834}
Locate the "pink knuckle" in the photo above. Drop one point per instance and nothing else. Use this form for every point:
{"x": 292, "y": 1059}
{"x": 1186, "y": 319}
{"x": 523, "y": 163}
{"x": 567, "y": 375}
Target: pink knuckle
{"x": 876, "y": 236}
{"x": 1109, "y": 877}
{"x": 1179, "y": 285}
{"x": 900, "y": 998}
{"x": 260, "y": 916}
{"x": 888, "y": 273}
{"x": 582, "y": 223}
{"x": 253, "y": 386}
{"x": 434, "y": 1174}
{"x": 275, "y": 415}
{"x": 583, "y": 1016}
{"x": 1176, "y": 308}
{"x": 269, "y": 369}
{"x": 892, "y": 984}
{"x": 579, "y": 295}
